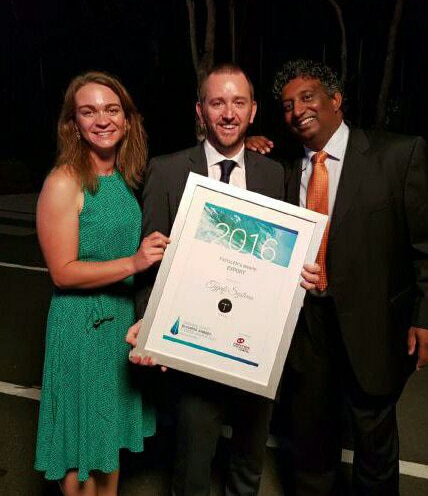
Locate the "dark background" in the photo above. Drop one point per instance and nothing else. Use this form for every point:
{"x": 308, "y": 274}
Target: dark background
{"x": 44, "y": 43}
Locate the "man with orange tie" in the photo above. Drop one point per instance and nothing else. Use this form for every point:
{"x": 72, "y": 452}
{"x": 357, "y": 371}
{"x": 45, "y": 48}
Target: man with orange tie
{"x": 361, "y": 332}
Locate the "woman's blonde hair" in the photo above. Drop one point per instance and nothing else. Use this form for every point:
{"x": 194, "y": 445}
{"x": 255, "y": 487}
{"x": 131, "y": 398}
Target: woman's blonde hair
{"x": 73, "y": 150}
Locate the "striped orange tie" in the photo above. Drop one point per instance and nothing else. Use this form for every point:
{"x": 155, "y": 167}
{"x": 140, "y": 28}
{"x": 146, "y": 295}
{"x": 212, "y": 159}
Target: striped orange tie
{"x": 317, "y": 200}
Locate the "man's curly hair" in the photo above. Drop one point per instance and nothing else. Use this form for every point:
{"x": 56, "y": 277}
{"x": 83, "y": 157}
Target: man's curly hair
{"x": 306, "y": 69}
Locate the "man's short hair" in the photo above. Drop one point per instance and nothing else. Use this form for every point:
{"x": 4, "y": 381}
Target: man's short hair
{"x": 225, "y": 68}
{"x": 307, "y": 69}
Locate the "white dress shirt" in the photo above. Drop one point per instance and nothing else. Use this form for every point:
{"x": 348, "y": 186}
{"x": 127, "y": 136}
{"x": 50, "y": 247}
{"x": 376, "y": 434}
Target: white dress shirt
{"x": 237, "y": 176}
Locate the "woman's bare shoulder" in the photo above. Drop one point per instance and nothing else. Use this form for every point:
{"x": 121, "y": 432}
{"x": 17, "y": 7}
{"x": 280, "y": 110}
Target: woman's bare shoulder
{"x": 61, "y": 187}
{"x": 62, "y": 179}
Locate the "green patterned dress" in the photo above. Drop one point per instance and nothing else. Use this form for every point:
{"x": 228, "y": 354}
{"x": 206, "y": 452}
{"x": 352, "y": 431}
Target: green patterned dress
{"x": 89, "y": 407}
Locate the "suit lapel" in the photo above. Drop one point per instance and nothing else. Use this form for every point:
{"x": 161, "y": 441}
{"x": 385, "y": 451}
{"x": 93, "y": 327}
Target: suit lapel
{"x": 251, "y": 172}
{"x": 353, "y": 167}
{"x": 293, "y": 183}
{"x": 198, "y": 160}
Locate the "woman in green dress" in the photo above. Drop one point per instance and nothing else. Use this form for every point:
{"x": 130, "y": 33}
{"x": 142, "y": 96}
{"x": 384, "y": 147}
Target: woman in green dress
{"x": 89, "y": 227}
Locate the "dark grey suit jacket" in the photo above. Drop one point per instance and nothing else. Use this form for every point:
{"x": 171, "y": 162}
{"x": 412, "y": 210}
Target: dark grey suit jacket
{"x": 377, "y": 260}
{"x": 164, "y": 186}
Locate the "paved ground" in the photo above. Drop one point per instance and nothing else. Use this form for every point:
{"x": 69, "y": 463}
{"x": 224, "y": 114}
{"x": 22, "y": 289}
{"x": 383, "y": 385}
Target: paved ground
{"x": 24, "y": 298}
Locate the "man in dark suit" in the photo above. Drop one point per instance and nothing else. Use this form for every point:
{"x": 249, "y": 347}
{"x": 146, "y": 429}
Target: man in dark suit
{"x": 225, "y": 108}
{"x": 360, "y": 334}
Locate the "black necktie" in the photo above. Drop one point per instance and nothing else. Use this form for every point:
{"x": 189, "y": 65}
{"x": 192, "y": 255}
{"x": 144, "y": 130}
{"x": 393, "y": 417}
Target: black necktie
{"x": 226, "y": 169}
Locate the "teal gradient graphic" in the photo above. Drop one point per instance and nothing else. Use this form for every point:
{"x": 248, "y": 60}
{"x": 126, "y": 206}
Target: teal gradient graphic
{"x": 243, "y": 233}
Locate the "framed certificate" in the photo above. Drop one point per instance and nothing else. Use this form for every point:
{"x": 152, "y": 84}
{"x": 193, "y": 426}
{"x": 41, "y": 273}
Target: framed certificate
{"x": 227, "y": 296}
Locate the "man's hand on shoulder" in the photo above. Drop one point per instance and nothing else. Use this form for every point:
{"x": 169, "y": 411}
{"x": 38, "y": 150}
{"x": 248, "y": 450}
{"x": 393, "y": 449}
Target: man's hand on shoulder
{"x": 259, "y": 144}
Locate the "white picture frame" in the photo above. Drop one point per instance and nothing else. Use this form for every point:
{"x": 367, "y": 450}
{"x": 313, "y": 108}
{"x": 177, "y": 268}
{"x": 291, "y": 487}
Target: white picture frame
{"x": 227, "y": 295}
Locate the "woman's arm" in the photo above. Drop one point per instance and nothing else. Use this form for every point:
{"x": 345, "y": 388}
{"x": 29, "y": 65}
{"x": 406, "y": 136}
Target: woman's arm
{"x": 58, "y": 210}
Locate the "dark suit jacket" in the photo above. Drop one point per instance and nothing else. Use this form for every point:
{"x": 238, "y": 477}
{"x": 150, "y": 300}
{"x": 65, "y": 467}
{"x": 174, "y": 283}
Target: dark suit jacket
{"x": 377, "y": 260}
{"x": 164, "y": 186}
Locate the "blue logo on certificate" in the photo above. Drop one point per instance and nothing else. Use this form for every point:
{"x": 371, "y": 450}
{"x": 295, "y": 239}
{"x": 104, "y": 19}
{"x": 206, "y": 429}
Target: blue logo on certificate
{"x": 246, "y": 234}
{"x": 175, "y": 328}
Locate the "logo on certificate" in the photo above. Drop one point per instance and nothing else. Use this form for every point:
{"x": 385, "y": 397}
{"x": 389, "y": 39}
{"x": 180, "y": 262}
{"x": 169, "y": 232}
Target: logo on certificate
{"x": 175, "y": 327}
{"x": 225, "y": 305}
{"x": 241, "y": 345}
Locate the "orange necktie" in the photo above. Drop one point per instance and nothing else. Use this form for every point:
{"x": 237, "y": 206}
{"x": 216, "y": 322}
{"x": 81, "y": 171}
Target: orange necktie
{"x": 317, "y": 200}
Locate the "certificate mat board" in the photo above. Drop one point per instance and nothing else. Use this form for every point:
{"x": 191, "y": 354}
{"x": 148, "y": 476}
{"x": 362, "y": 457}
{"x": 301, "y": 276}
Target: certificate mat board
{"x": 227, "y": 295}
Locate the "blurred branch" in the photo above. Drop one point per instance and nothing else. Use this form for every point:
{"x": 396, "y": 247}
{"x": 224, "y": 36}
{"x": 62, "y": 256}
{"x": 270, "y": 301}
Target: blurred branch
{"x": 344, "y": 47}
{"x": 192, "y": 32}
{"x": 202, "y": 63}
{"x": 389, "y": 65}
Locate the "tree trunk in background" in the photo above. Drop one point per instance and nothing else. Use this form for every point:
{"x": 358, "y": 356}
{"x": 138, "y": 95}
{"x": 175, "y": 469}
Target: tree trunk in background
{"x": 344, "y": 47}
{"x": 389, "y": 65}
{"x": 192, "y": 33}
{"x": 203, "y": 60}
{"x": 232, "y": 30}
{"x": 360, "y": 85}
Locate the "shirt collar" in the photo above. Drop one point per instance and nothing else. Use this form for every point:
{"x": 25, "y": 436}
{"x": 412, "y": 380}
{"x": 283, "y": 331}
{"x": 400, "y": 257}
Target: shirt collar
{"x": 214, "y": 157}
{"x": 335, "y": 147}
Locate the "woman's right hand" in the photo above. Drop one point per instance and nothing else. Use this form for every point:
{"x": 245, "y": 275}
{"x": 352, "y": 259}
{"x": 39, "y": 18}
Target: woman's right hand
{"x": 151, "y": 250}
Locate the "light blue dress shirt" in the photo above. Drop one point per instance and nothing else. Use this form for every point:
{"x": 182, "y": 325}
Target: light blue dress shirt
{"x": 336, "y": 148}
